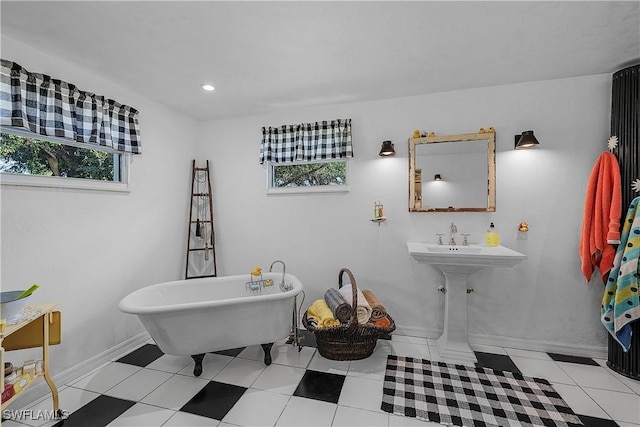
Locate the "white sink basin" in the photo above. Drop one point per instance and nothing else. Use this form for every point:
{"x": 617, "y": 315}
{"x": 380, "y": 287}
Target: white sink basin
{"x": 472, "y": 255}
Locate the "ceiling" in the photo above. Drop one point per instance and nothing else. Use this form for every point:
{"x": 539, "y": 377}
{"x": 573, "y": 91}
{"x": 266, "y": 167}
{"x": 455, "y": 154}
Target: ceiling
{"x": 264, "y": 56}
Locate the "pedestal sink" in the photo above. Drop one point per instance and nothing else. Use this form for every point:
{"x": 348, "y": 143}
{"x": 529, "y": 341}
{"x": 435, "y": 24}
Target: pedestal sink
{"x": 457, "y": 263}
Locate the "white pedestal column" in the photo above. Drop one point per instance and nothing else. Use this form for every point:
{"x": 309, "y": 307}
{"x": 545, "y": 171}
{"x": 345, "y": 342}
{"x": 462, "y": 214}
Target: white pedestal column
{"x": 453, "y": 344}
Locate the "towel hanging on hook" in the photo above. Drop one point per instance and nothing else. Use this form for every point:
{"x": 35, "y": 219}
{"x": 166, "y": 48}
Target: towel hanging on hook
{"x": 620, "y": 303}
{"x": 601, "y": 218}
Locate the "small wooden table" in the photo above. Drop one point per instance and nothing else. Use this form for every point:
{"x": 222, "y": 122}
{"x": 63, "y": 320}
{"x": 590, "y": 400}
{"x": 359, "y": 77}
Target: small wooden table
{"x": 39, "y": 331}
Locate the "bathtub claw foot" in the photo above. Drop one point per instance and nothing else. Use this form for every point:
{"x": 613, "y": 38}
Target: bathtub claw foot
{"x": 197, "y": 369}
{"x": 267, "y": 353}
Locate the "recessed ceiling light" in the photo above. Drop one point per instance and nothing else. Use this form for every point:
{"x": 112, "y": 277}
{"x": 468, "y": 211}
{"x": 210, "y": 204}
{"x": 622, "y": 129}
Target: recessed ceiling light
{"x": 207, "y": 86}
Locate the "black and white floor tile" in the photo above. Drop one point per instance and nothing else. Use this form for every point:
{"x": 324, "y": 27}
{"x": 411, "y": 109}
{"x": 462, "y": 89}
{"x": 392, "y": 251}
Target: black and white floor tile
{"x": 302, "y": 388}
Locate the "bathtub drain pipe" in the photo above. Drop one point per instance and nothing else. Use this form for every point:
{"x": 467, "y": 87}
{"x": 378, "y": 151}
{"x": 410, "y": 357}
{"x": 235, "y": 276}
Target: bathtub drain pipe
{"x": 294, "y": 336}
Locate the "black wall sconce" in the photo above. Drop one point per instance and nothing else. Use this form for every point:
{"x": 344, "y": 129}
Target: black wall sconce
{"x": 437, "y": 177}
{"x": 387, "y": 149}
{"x": 526, "y": 140}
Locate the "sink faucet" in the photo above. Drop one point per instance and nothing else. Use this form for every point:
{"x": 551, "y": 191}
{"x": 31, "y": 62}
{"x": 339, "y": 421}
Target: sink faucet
{"x": 283, "y": 287}
{"x": 454, "y": 230}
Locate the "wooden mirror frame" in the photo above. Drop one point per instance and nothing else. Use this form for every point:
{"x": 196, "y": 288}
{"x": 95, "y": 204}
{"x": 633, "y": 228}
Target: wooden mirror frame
{"x": 415, "y": 200}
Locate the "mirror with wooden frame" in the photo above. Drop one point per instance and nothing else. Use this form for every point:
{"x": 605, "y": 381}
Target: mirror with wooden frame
{"x": 453, "y": 173}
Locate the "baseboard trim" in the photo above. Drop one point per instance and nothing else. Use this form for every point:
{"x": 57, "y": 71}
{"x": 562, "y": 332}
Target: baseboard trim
{"x": 41, "y": 390}
{"x": 596, "y": 352}
{"x": 413, "y": 331}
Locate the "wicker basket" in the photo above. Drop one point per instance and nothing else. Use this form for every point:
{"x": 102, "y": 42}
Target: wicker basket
{"x": 351, "y": 340}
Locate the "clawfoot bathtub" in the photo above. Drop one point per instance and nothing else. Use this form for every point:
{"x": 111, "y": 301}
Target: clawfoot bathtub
{"x": 196, "y": 316}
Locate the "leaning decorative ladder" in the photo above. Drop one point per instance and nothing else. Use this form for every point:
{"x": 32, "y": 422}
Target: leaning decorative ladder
{"x": 201, "y": 243}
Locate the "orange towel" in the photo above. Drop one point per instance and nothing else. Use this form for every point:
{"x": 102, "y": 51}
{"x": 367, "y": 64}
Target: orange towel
{"x": 378, "y": 311}
{"x": 601, "y": 222}
{"x": 383, "y": 323}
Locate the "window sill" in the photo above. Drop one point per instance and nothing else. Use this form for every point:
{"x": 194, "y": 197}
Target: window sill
{"x": 58, "y": 182}
{"x": 309, "y": 190}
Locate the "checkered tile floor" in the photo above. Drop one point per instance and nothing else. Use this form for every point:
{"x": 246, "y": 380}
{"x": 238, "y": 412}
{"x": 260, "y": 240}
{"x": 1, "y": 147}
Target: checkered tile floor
{"x": 301, "y": 388}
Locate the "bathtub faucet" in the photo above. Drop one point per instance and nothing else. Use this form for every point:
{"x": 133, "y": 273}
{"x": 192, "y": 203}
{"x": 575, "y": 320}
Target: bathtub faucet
{"x": 283, "y": 287}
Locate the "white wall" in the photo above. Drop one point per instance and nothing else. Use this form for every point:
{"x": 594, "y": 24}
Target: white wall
{"x": 542, "y": 303}
{"x": 88, "y": 249}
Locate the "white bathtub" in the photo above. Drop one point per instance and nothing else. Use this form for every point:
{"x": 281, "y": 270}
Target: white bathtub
{"x": 195, "y": 316}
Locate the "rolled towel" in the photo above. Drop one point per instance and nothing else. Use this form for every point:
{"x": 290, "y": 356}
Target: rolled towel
{"x": 363, "y": 309}
{"x": 383, "y": 323}
{"x": 313, "y": 322}
{"x": 378, "y": 311}
{"x": 321, "y": 312}
{"x": 339, "y": 306}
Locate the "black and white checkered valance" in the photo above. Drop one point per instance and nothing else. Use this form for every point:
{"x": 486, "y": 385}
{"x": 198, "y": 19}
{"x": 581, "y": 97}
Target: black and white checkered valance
{"x": 51, "y": 107}
{"x": 307, "y": 141}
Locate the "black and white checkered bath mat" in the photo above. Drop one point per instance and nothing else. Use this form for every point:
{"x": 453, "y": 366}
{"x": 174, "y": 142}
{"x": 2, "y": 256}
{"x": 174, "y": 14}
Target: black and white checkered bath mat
{"x": 465, "y": 396}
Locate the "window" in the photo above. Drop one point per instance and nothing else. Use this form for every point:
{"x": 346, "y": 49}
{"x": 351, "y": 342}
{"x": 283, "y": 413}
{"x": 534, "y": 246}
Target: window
{"x": 307, "y": 157}
{"x": 296, "y": 177}
{"x": 56, "y": 135}
{"x": 27, "y": 159}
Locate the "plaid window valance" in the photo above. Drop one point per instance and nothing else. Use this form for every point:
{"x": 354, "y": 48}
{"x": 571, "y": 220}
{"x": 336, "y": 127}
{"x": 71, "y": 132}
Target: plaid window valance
{"x": 307, "y": 141}
{"x": 51, "y": 107}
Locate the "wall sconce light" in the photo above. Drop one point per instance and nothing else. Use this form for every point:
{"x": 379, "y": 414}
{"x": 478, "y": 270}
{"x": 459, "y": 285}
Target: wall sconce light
{"x": 526, "y": 140}
{"x": 387, "y": 149}
{"x": 437, "y": 177}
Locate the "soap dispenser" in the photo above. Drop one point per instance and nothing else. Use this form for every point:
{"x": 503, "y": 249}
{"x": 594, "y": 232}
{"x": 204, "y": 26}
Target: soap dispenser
{"x": 492, "y": 238}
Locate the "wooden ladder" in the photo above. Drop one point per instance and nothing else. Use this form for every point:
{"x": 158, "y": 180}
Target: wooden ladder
{"x": 201, "y": 242}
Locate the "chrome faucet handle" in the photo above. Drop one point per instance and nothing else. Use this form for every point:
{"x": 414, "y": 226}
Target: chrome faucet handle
{"x": 465, "y": 242}
{"x": 440, "y": 238}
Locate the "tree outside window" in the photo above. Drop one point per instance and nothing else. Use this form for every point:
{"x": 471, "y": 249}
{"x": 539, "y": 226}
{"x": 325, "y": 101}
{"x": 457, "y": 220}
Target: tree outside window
{"x": 309, "y": 174}
{"x": 31, "y": 156}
